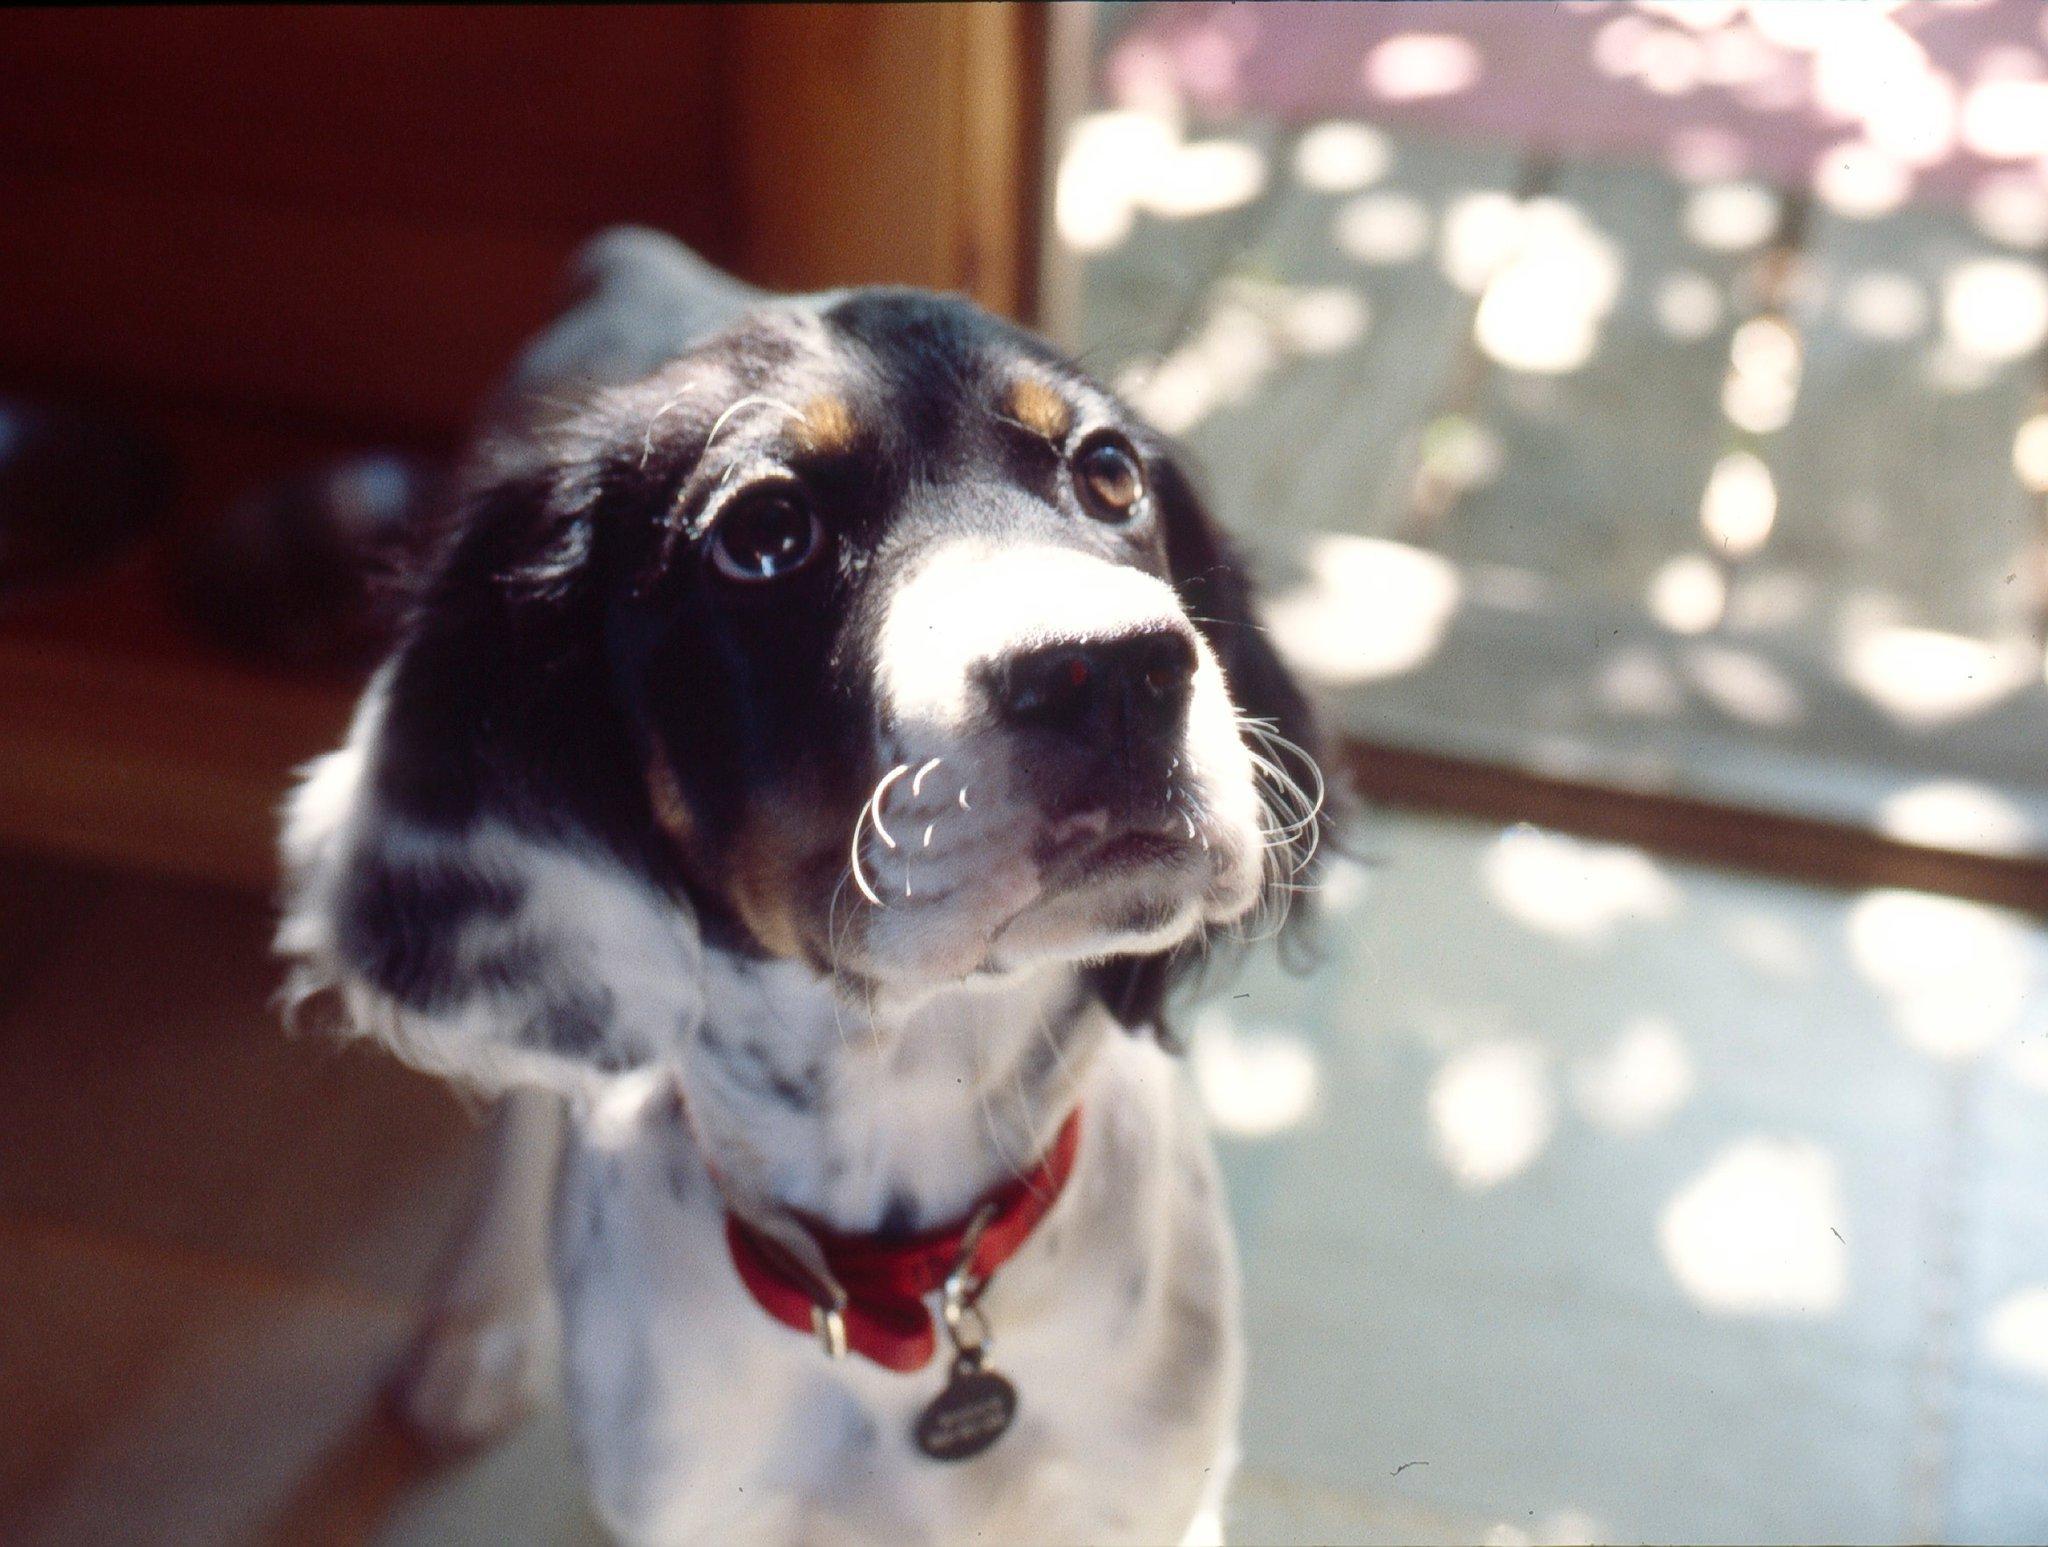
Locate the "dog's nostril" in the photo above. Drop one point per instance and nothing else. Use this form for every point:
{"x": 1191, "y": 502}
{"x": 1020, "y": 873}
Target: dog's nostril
{"x": 1166, "y": 665}
{"x": 1131, "y": 685}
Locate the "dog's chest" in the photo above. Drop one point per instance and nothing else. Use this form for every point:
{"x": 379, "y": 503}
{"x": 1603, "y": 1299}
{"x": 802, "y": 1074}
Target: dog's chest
{"x": 701, "y": 1417}
{"x": 874, "y": 1121}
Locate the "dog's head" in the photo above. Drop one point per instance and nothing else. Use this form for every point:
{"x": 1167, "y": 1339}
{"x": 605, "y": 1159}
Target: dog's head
{"x": 876, "y": 630}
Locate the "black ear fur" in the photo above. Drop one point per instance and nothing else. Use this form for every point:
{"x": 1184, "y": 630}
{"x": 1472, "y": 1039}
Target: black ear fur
{"x": 1216, "y": 588}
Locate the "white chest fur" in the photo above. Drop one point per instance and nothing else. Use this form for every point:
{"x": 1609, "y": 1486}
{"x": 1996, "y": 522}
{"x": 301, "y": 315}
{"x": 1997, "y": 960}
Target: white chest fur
{"x": 703, "y": 1419}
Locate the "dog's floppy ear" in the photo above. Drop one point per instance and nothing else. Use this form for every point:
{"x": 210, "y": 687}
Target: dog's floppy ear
{"x": 1216, "y": 589}
{"x": 464, "y": 879}
{"x": 473, "y": 875}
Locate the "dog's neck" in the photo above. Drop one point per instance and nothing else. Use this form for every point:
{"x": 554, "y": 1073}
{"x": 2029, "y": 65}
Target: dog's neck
{"x": 883, "y": 1119}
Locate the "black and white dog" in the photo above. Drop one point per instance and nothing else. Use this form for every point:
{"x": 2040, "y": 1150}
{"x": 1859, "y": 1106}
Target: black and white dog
{"x": 825, "y": 727}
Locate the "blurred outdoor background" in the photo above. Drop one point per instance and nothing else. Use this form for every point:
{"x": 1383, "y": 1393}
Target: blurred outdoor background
{"x": 1639, "y": 415}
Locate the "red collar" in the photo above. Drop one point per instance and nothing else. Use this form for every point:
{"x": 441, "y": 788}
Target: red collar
{"x": 886, "y": 1281}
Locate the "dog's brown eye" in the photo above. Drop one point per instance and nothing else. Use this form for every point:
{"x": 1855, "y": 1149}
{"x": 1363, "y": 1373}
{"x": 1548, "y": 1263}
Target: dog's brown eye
{"x": 766, "y": 535}
{"x": 1109, "y": 480}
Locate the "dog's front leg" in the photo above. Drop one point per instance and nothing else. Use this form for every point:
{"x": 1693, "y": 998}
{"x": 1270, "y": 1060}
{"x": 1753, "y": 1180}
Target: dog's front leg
{"x": 480, "y": 1357}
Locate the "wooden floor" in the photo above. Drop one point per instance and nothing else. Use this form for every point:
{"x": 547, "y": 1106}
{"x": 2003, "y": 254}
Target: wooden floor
{"x": 1699, "y": 490}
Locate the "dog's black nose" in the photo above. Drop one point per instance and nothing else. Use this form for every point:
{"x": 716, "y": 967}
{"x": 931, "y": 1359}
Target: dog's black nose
{"x": 1125, "y": 693}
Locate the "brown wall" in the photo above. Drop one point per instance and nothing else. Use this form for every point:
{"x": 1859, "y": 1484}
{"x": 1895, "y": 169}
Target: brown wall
{"x": 354, "y": 215}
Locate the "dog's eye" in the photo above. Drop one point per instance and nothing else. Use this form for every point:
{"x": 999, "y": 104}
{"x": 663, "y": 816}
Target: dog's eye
{"x": 1109, "y": 481}
{"x": 766, "y": 535}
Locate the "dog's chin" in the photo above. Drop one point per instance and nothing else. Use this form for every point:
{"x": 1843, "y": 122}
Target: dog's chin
{"x": 1132, "y": 901}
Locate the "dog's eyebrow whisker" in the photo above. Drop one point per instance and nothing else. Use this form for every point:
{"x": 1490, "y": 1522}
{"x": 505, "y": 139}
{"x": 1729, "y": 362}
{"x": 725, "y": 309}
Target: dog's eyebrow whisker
{"x": 754, "y": 400}
{"x": 647, "y": 436}
{"x": 917, "y": 782}
{"x": 875, "y": 801}
{"x": 963, "y": 799}
{"x": 928, "y": 833}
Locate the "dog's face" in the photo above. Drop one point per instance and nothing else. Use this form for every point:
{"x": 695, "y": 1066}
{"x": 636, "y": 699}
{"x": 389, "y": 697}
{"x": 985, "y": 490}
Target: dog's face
{"x": 890, "y": 638}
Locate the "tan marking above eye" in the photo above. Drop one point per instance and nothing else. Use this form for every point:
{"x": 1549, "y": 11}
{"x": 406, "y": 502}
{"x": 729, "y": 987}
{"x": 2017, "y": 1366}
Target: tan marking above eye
{"x": 825, "y": 426}
{"x": 1040, "y": 409}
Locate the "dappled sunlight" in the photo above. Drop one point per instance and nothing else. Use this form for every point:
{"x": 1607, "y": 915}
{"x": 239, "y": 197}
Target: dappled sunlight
{"x": 1635, "y": 681}
{"x": 1255, "y": 1082}
{"x": 1885, "y": 307}
{"x": 2016, "y": 1335}
{"x": 1542, "y": 310}
{"x": 1925, "y": 678}
{"x": 1767, "y": 599}
{"x": 1322, "y": 319}
{"x": 1688, "y": 305}
{"x": 1341, "y": 157}
{"x": 1344, "y": 886}
{"x": 1491, "y": 1111}
{"x": 1955, "y": 975}
{"x": 1731, "y": 217}
{"x": 2007, "y": 120}
{"x": 1956, "y": 814}
{"x": 1382, "y": 228}
{"x": 1220, "y": 363}
{"x": 1252, "y": 327}
{"x": 1687, "y": 594}
{"x": 1771, "y": 946}
{"x": 1481, "y": 228}
{"x": 1094, "y": 191}
{"x": 1122, "y": 161}
{"x": 1573, "y": 889}
{"x": 1740, "y": 506}
{"x": 1866, "y": 103}
{"x": 1994, "y": 308}
{"x": 1418, "y": 65}
{"x": 1744, "y": 685}
{"x": 1755, "y": 1233}
{"x": 2030, "y": 454}
{"x": 1635, "y": 1084}
{"x": 1459, "y": 454}
{"x": 1762, "y": 385}
{"x": 1370, "y": 609}
{"x": 1203, "y": 178}
{"x": 1556, "y": 1528}
{"x": 2012, "y": 208}
{"x": 1861, "y": 181}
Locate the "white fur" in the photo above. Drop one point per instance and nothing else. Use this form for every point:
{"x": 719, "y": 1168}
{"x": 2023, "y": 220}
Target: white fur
{"x": 703, "y": 1420}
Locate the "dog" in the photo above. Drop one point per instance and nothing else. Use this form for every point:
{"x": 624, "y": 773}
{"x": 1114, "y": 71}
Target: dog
{"x": 825, "y": 731}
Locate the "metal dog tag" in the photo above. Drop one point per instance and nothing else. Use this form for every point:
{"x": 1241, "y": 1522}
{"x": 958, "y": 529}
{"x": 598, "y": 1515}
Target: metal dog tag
{"x": 971, "y": 1414}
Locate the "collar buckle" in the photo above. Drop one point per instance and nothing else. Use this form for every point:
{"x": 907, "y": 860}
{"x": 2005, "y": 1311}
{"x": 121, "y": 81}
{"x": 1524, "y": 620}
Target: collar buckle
{"x": 830, "y": 1325}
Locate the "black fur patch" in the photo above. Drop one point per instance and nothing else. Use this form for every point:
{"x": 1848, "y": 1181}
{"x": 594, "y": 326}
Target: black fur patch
{"x": 401, "y": 923}
{"x": 573, "y": 1021}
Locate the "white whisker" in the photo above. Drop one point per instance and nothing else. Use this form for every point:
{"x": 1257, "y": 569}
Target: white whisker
{"x": 860, "y": 878}
{"x": 647, "y": 436}
{"x": 748, "y": 402}
{"x": 875, "y": 801}
{"x": 917, "y": 783}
